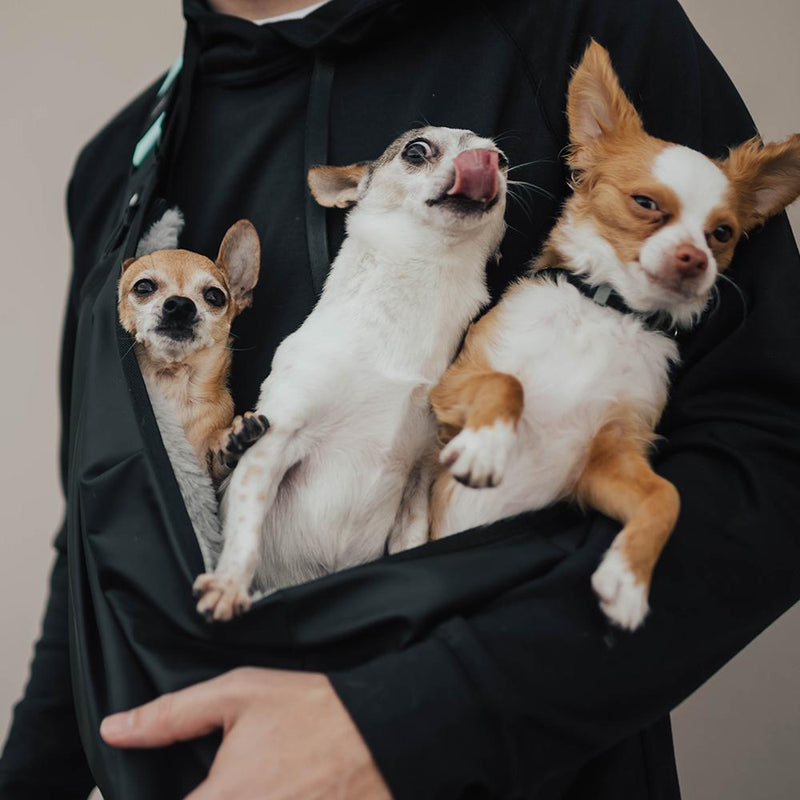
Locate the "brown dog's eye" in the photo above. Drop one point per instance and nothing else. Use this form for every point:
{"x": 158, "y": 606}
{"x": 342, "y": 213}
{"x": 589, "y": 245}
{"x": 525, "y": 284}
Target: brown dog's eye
{"x": 723, "y": 233}
{"x": 144, "y": 287}
{"x": 214, "y": 297}
{"x": 646, "y": 202}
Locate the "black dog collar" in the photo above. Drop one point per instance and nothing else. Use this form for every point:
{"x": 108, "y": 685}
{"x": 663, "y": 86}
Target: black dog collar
{"x": 604, "y": 295}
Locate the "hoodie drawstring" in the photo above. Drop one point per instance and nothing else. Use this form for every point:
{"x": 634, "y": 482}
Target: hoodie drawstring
{"x": 316, "y": 154}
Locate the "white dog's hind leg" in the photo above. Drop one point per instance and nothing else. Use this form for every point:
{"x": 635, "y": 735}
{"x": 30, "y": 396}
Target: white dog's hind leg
{"x": 249, "y": 496}
{"x": 412, "y": 526}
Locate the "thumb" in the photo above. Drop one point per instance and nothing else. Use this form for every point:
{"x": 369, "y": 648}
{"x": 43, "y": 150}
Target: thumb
{"x": 173, "y": 717}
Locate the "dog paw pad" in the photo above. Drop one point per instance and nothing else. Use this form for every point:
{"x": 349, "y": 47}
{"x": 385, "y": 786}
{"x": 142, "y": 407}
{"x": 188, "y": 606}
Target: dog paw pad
{"x": 245, "y": 430}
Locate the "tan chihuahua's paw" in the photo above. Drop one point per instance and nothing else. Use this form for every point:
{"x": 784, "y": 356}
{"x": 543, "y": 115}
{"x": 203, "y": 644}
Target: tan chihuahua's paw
{"x": 623, "y": 598}
{"x": 478, "y": 457}
{"x": 245, "y": 430}
{"x": 220, "y": 600}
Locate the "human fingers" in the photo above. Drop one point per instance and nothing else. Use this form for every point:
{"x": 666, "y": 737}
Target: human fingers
{"x": 174, "y": 717}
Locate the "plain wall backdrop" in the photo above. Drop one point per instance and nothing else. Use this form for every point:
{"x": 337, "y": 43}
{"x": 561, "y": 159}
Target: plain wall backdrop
{"x": 65, "y": 69}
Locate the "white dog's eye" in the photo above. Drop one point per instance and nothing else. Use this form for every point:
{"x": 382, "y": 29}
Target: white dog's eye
{"x": 214, "y": 297}
{"x": 418, "y": 151}
{"x": 646, "y": 202}
{"x": 144, "y": 287}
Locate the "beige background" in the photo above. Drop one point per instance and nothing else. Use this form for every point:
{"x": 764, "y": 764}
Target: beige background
{"x": 65, "y": 67}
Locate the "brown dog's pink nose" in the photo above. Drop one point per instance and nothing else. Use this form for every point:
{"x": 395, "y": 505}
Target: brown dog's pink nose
{"x": 690, "y": 261}
{"x": 476, "y": 175}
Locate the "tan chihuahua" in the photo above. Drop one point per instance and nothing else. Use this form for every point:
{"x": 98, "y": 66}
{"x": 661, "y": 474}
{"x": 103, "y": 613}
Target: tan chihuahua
{"x": 178, "y": 306}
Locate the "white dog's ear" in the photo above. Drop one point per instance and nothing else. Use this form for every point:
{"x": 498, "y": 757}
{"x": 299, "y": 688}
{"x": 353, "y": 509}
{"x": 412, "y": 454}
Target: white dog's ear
{"x": 337, "y": 187}
{"x": 240, "y": 257}
{"x": 163, "y": 233}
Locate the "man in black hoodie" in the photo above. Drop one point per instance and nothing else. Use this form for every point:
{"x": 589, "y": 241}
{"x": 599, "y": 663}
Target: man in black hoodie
{"x": 498, "y": 678}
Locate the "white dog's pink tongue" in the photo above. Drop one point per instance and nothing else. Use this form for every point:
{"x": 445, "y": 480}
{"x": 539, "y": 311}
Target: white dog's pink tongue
{"x": 476, "y": 175}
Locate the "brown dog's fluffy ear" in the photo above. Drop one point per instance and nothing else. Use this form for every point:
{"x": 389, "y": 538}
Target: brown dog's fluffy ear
{"x": 240, "y": 258}
{"x": 766, "y": 178}
{"x": 597, "y": 108}
{"x": 337, "y": 187}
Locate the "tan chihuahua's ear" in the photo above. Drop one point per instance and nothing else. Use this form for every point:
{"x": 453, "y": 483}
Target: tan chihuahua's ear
{"x": 337, "y": 187}
{"x": 127, "y": 262}
{"x": 597, "y": 108}
{"x": 240, "y": 257}
{"x": 767, "y": 178}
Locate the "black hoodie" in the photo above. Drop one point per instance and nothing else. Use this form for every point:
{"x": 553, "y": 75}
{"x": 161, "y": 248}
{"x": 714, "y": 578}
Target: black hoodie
{"x": 478, "y": 667}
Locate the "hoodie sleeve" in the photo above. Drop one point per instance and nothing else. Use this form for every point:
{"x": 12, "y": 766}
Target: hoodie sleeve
{"x": 535, "y": 684}
{"x": 43, "y": 756}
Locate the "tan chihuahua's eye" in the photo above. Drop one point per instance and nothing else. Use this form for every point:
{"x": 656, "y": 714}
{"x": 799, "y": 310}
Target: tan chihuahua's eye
{"x": 723, "y": 234}
{"x": 214, "y": 297}
{"x": 144, "y": 287}
{"x": 646, "y": 202}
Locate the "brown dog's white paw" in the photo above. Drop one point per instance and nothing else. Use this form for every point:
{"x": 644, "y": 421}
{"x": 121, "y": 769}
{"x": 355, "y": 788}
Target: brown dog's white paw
{"x": 478, "y": 457}
{"x": 245, "y": 430}
{"x": 220, "y": 600}
{"x": 623, "y": 598}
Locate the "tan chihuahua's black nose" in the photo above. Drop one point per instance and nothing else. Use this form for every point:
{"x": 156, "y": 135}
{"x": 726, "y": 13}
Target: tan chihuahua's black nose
{"x": 178, "y": 310}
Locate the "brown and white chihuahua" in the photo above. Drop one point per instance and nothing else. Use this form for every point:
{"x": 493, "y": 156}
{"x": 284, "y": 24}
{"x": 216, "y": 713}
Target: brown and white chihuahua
{"x": 557, "y": 390}
{"x": 178, "y": 306}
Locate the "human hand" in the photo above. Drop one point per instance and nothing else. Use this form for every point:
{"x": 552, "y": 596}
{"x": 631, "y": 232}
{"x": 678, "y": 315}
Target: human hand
{"x": 286, "y": 736}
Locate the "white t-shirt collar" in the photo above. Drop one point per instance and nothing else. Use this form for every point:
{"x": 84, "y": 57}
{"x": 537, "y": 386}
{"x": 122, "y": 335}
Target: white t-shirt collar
{"x": 299, "y": 14}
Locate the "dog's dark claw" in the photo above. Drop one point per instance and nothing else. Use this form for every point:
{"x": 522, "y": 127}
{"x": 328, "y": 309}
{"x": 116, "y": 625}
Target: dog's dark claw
{"x": 235, "y": 444}
{"x": 254, "y": 426}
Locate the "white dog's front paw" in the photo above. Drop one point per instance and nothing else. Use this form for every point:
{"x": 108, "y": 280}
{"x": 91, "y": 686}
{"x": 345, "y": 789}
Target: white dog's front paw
{"x": 477, "y": 457}
{"x": 220, "y": 600}
{"x": 623, "y": 598}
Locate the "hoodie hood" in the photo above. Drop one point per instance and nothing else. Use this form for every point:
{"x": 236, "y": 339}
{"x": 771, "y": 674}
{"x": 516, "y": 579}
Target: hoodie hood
{"x": 234, "y": 50}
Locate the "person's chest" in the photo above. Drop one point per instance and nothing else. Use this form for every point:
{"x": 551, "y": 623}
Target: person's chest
{"x": 246, "y": 153}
